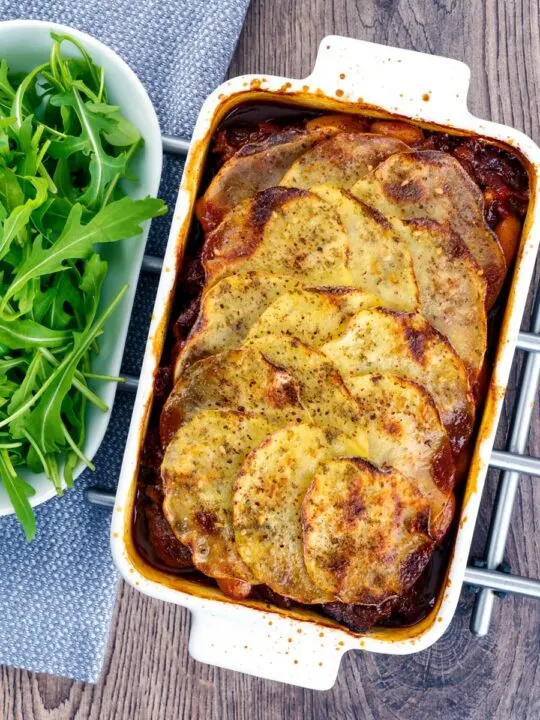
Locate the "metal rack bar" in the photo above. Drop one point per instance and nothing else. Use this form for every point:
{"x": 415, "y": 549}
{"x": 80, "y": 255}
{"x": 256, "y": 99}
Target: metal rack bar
{"x": 102, "y": 498}
{"x": 488, "y": 580}
{"x": 130, "y": 384}
{"x": 152, "y": 264}
{"x": 508, "y": 483}
{"x": 497, "y": 581}
{"x": 174, "y": 145}
{"x": 529, "y": 342}
{"x": 513, "y": 461}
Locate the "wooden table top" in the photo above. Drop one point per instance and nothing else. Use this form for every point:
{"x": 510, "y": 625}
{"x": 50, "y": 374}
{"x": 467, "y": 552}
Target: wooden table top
{"x": 148, "y": 674}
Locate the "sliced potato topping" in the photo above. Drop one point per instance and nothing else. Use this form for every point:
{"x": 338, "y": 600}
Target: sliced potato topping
{"x": 404, "y": 431}
{"x": 452, "y": 288}
{"x": 284, "y": 231}
{"x": 241, "y": 380}
{"x": 321, "y": 389}
{"x": 253, "y": 168}
{"x": 199, "y": 469}
{"x": 340, "y": 160}
{"x": 267, "y": 506}
{"x": 228, "y": 310}
{"x": 324, "y": 397}
{"x": 381, "y": 341}
{"x": 315, "y": 316}
{"x": 365, "y": 531}
{"x": 433, "y": 185}
{"x": 380, "y": 262}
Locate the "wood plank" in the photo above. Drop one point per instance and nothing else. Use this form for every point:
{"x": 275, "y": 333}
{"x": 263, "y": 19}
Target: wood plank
{"x": 148, "y": 673}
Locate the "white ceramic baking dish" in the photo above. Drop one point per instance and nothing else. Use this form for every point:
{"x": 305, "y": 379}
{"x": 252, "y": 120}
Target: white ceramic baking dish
{"x": 305, "y": 649}
{"x": 25, "y": 44}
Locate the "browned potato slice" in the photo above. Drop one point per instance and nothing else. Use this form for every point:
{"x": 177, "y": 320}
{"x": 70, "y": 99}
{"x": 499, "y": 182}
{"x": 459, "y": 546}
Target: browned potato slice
{"x": 228, "y": 310}
{"x": 382, "y": 341}
{"x": 284, "y": 231}
{"x": 313, "y": 315}
{"x": 321, "y": 388}
{"x": 241, "y": 380}
{"x": 198, "y": 471}
{"x": 253, "y": 168}
{"x": 365, "y": 531}
{"x": 341, "y": 160}
{"x": 267, "y": 503}
{"x": 404, "y": 431}
{"x": 380, "y": 262}
{"x": 431, "y": 184}
{"x": 452, "y": 288}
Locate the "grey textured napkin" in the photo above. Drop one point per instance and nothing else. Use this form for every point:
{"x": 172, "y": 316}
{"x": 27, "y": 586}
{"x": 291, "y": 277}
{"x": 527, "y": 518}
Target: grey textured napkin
{"x": 57, "y": 594}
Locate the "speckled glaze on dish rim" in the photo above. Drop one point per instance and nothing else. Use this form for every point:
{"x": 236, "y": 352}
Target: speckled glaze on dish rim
{"x": 300, "y": 647}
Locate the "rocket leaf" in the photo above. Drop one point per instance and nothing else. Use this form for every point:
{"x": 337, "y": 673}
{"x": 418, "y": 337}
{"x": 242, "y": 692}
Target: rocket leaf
{"x": 44, "y": 422}
{"x": 64, "y": 151}
{"x": 117, "y": 221}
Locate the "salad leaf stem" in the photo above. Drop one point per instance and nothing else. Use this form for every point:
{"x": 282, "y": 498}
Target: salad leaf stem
{"x": 114, "y": 182}
{"x": 37, "y": 450}
{"x": 105, "y": 378}
{"x": 17, "y": 109}
{"x": 78, "y": 382}
{"x": 18, "y": 491}
{"x": 78, "y": 452}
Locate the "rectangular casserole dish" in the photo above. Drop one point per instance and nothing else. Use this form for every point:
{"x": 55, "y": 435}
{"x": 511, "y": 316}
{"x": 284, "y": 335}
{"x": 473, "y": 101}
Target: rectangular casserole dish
{"x": 301, "y": 647}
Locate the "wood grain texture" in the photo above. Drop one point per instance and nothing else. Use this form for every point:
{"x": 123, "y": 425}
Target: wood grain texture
{"x": 148, "y": 673}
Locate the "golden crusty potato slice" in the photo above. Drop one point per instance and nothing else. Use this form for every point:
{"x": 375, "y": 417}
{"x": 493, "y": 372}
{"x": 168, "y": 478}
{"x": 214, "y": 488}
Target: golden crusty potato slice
{"x": 253, "y": 168}
{"x": 431, "y": 184}
{"x": 379, "y": 340}
{"x": 380, "y": 262}
{"x": 452, "y": 287}
{"x": 267, "y": 503}
{"x": 199, "y": 469}
{"x": 404, "y": 431}
{"x": 365, "y": 531}
{"x": 341, "y": 160}
{"x": 321, "y": 389}
{"x": 281, "y": 230}
{"x": 228, "y": 310}
{"x": 313, "y": 315}
{"x": 242, "y": 380}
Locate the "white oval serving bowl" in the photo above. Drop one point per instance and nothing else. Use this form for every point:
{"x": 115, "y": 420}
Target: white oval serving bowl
{"x": 25, "y": 44}
{"x": 299, "y": 647}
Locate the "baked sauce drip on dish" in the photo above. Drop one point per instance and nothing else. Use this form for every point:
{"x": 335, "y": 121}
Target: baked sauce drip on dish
{"x": 315, "y": 408}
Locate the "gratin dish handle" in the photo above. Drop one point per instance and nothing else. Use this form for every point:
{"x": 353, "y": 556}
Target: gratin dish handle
{"x": 427, "y": 87}
{"x": 266, "y": 648}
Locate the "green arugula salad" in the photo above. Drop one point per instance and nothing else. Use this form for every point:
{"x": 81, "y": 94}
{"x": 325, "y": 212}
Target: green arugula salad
{"x": 63, "y": 151}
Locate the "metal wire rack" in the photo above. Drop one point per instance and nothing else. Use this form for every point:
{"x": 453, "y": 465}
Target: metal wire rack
{"x": 490, "y": 576}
